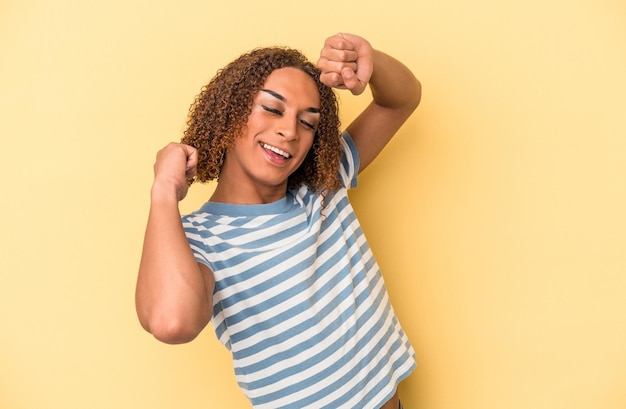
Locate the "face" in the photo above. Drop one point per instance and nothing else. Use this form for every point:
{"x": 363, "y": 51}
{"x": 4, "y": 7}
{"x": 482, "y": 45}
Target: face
{"x": 278, "y": 133}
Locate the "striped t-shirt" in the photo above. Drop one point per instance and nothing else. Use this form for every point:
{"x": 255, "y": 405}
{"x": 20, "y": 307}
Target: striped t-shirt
{"x": 300, "y": 301}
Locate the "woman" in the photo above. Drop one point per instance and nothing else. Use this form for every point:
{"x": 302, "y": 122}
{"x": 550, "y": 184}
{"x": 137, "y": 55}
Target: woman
{"x": 276, "y": 259}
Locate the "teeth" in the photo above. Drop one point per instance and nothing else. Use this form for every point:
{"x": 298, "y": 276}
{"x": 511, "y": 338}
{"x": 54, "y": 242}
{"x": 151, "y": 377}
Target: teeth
{"x": 276, "y": 150}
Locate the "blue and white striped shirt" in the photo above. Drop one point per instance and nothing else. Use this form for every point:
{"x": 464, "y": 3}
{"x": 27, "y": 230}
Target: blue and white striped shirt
{"x": 300, "y": 301}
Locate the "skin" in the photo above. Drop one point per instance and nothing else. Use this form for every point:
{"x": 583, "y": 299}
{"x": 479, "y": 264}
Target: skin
{"x": 174, "y": 292}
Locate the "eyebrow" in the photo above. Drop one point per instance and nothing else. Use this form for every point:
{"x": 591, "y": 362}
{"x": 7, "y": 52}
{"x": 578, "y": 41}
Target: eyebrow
{"x": 282, "y": 98}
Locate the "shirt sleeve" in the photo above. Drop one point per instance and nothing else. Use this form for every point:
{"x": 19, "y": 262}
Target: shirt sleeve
{"x": 195, "y": 236}
{"x": 349, "y": 167}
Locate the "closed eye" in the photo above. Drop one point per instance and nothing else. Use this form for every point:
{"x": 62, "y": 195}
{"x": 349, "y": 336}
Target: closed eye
{"x": 278, "y": 112}
{"x": 272, "y": 110}
{"x": 307, "y": 124}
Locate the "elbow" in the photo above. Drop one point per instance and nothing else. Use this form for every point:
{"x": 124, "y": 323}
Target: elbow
{"x": 416, "y": 96}
{"x": 171, "y": 328}
{"x": 174, "y": 334}
{"x": 172, "y": 331}
{"x": 408, "y": 101}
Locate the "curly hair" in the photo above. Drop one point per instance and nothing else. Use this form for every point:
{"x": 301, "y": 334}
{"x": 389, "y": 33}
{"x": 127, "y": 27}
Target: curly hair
{"x": 220, "y": 112}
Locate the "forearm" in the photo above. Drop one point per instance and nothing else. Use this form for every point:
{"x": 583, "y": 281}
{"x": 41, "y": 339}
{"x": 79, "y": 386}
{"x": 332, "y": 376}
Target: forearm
{"x": 172, "y": 298}
{"x": 395, "y": 95}
{"x": 393, "y": 85}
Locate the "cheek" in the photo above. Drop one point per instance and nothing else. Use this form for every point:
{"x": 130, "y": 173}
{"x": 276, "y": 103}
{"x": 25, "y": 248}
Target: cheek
{"x": 254, "y": 124}
{"x": 305, "y": 147}
{"x": 308, "y": 140}
{"x": 249, "y": 132}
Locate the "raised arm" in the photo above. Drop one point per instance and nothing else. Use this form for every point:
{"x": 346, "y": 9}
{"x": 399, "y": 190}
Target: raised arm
{"x": 174, "y": 293}
{"x": 349, "y": 62}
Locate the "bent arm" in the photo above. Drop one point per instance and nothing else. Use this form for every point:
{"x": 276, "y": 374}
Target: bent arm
{"x": 174, "y": 293}
{"x": 396, "y": 94}
{"x": 349, "y": 62}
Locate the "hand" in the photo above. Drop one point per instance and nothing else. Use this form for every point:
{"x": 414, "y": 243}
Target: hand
{"x": 346, "y": 62}
{"x": 175, "y": 165}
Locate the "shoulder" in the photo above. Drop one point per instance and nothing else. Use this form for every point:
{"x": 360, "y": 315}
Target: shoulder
{"x": 350, "y": 161}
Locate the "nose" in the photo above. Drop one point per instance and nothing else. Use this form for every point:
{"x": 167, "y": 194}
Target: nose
{"x": 287, "y": 128}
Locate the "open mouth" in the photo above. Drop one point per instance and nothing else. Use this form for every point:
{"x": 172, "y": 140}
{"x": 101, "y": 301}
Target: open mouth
{"x": 277, "y": 151}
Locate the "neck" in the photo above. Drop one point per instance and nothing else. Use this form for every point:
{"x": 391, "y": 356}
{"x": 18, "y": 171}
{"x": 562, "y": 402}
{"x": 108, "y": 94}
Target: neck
{"x": 235, "y": 193}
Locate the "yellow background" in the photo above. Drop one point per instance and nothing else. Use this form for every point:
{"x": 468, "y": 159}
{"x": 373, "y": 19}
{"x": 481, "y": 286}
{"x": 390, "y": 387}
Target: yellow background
{"x": 497, "y": 213}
